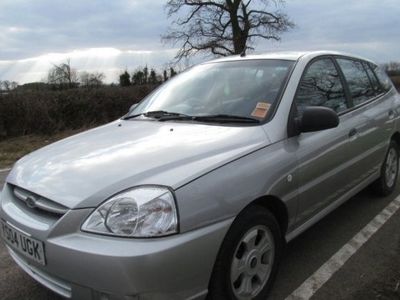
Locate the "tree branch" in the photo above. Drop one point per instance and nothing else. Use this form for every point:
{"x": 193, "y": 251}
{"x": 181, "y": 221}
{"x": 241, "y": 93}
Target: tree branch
{"x": 223, "y": 27}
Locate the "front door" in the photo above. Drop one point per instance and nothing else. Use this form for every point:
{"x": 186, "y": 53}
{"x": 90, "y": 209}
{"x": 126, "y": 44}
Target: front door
{"x": 324, "y": 157}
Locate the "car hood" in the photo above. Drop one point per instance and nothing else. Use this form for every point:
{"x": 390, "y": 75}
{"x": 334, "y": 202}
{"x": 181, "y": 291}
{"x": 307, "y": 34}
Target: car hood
{"x": 85, "y": 169}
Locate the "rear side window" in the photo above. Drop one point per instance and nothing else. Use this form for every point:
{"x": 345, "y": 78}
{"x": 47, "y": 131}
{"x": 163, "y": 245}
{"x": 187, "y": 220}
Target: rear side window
{"x": 384, "y": 80}
{"x": 357, "y": 80}
{"x": 321, "y": 86}
{"x": 374, "y": 81}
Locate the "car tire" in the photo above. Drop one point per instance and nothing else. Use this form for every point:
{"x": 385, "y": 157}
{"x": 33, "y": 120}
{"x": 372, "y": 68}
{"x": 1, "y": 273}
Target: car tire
{"x": 248, "y": 259}
{"x": 386, "y": 183}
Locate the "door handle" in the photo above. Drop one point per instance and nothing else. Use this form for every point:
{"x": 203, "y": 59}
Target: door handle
{"x": 352, "y": 132}
{"x": 391, "y": 114}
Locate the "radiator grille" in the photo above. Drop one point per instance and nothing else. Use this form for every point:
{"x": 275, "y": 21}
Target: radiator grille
{"x": 38, "y": 203}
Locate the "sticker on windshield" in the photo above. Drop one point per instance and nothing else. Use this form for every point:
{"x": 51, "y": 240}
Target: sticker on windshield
{"x": 261, "y": 110}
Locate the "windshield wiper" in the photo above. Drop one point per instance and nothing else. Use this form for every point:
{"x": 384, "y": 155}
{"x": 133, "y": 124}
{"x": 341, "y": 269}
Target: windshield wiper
{"x": 131, "y": 117}
{"x": 224, "y": 118}
{"x": 162, "y": 115}
{"x": 218, "y": 118}
{"x": 157, "y": 114}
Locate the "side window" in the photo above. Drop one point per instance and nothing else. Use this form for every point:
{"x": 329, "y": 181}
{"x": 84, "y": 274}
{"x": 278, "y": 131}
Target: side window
{"x": 374, "y": 81}
{"x": 321, "y": 86}
{"x": 384, "y": 80}
{"x": 357, "y": 79}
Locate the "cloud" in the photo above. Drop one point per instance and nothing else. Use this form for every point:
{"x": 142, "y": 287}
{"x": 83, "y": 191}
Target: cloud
{"x": 110, "y": 61}
{"x": 59, "y": 26}
{"x": 368, "y": 28}
{"x": 108, "y": 36}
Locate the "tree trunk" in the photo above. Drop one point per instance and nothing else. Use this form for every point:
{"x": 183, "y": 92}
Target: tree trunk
{"x": 239, "y": 37}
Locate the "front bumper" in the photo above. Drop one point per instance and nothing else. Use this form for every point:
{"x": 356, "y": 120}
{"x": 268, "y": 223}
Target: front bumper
{"x": 87, "y": 266}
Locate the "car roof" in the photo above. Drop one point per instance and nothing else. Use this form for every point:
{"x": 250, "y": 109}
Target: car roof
{"x": 288, "y": 55}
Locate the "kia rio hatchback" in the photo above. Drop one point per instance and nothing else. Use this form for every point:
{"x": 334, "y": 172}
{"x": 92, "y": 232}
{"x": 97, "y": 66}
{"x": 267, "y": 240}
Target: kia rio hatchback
{"x": 193, "y": 193}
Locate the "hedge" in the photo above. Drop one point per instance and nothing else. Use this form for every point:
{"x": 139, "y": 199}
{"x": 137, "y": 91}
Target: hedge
{"x": 48, "y": 112}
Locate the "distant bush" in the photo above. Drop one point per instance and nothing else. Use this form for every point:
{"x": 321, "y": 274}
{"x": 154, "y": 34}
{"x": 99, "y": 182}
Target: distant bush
{"x": 396, "y": 81}
{"x": 393, "y": 73}
{"x": 48, "y": 112}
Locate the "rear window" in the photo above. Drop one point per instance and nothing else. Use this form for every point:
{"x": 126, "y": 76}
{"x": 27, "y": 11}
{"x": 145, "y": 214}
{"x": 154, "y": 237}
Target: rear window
{"x": 384, "y": 80}
{"x": 357, "y": 80}
{"x": 372, "y": 77}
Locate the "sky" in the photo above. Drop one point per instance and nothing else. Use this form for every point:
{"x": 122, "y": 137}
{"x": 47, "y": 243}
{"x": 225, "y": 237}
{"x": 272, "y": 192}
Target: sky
{"x": 113, "y": 35}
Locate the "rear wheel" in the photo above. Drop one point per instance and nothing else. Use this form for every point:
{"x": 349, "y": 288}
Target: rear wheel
{"x": 248, "y": 259}
{"x": 386, "y": 184}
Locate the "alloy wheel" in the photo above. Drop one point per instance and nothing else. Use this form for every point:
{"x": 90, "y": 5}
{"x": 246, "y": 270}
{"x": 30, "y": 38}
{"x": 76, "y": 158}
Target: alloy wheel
{"x": 391, "y": 167}
{"x": 252, "y": 262}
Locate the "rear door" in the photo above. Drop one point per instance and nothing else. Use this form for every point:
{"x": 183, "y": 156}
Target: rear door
{"x": 373, "y": 111}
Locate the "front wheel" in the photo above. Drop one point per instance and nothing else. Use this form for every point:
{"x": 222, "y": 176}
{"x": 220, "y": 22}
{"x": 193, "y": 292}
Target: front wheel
{"x": 248, "y": 259}
{"x": 386, "y": 184}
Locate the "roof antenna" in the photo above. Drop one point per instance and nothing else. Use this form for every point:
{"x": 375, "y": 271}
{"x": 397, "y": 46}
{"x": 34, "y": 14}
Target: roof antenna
{"x": 243, "y": 54}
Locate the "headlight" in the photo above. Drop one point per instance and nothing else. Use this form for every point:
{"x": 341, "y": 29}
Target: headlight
{"x": 147, "y": 211}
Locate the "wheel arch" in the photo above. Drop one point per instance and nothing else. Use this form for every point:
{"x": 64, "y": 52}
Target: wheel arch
{"x": 396, "y": 137}
{"x": 277, "y": 207}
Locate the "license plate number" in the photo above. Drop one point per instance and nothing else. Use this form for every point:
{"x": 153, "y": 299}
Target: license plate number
{"x": 24, "y": 244}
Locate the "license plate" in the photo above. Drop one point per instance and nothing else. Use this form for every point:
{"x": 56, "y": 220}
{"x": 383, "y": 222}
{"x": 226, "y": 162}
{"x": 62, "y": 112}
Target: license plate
{"x": 23, "y": 243}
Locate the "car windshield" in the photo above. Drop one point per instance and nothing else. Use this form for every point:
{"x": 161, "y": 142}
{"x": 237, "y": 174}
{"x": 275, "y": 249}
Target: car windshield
{"x": 245, "y": 89}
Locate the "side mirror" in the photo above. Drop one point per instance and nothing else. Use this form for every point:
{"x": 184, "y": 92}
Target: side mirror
{"x": 316, "y": 118}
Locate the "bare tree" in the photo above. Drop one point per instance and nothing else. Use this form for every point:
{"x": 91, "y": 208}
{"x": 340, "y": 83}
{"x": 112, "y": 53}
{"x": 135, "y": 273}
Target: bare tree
{"x": 94, "y": 79}
{"x": 84, "y": 78}
{"x": 63, "y": 75}
{"x": 224, "y": 27}
{"x": 392, "y": 68}
{"x": 6, "y": 85}
{"x": 13, "y": 85}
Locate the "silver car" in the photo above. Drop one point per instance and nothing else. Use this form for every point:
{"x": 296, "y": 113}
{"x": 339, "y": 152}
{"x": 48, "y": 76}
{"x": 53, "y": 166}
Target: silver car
{"x": 194, "y": 192}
